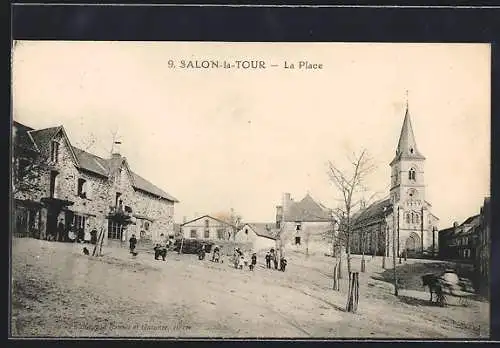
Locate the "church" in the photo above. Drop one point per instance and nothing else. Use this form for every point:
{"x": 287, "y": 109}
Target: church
{"x": 404, "y": 212}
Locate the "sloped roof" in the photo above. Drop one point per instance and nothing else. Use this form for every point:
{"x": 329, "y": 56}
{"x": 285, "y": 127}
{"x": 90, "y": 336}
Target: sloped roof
{"x": 144, "y": 185}
{"x": 42, "y": 137}
{"x": 471, "y": 220}
{"x": 407, "y": 146}
{"x": 207, "y": 216}
{"x": 263, "y": 229}
{"x": 22, "y": 138}
{"x": 446, "y": 231}
{"x": 373, "y": 212}
{"x": 307, "y": 210}
{"x": 93, "y": 163}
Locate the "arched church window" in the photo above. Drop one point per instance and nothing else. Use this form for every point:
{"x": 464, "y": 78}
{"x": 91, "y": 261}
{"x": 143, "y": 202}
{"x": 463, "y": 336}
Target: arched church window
{"x": 411, "y": 174}
{"x": 417, "y": 219}
{"x": 407, "y": 218}
{"x": 412, "y": 218}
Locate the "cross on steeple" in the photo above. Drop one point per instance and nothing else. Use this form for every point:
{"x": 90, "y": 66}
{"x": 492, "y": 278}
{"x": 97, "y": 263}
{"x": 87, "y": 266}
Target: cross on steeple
{"x": 406, "y": 97}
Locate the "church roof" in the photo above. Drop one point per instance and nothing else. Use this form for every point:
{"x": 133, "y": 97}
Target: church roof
{"x": 407, "y": 146}
{"x": 376, "y": 211}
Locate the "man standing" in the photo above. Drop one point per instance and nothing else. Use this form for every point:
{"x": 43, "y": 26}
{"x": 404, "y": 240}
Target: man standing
{"x": 132, "y": 242}
{"x": 268, "y": 260}
{"x": 254, "y": 261}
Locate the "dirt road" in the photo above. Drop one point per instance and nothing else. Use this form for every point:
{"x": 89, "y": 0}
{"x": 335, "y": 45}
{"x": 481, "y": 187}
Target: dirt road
{"x": 58, "y": 291}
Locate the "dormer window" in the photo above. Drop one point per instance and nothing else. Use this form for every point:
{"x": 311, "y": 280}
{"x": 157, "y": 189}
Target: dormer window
{"x": 412, "y": 174}
{"x": 54, "y": 151}
{"x": 411, "y": 150}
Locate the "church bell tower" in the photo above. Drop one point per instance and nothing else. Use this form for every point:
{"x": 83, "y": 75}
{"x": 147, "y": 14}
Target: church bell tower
{"x": 408, "y": 188}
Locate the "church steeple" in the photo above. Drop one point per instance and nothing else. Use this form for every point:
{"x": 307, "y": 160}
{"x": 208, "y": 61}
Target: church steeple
{"x": 407, "y": 146}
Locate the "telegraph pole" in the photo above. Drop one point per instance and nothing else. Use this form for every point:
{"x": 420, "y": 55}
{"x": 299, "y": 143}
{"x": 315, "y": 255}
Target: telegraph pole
{"x": 394, "y": 249}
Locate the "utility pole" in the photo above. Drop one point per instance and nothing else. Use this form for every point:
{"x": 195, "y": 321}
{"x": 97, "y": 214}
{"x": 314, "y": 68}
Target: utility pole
{"x": 399, "y": 249}
{"x": 394, "y": 249}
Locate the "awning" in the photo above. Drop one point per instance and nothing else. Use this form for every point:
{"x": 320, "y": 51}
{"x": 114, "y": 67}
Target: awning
{"x": 143, "y": 217}
{"x": 56, "y": 201}
{"x": 28, "y": 203}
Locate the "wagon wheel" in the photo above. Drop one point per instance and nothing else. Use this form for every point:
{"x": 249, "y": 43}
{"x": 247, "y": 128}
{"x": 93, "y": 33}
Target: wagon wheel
{"x": 464, "y": 301}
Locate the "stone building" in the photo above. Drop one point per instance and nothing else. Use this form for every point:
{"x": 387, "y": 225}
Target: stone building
{"x": 484, "y": 245}
{"x": 54, "y": 181}
{"x": 208, "y": 228}
{"x": 302, "y": 225}
{"x": 262, "y": 236}
{"x": 405, "y": 211}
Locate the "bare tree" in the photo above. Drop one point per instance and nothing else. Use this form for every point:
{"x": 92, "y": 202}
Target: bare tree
{"x": 350, "y": 183}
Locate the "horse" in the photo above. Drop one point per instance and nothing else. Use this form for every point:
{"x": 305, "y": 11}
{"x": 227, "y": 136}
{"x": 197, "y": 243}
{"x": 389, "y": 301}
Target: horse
{"x": 435, "y": 286}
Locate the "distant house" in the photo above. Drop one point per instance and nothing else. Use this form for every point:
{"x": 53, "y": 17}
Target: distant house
{"x": 303, "y": 224}
{"x": 206, "y": 227}
{"x": 54, "y": 182}
{"x": 484, "y": 244}
{"x": 262, "y": 236}
{"x": 460, "y": 241}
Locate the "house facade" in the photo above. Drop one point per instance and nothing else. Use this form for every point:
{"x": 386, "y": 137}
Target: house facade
{"x": 405, "y": 211}
{"x": 303, "y": 224}
{"x": 206, "y": 227}
{"x": 463, "y": 241}
{"x": 54, "y": 182}
{"x": 261, "y": 236}
{"x": 484, "y": 245}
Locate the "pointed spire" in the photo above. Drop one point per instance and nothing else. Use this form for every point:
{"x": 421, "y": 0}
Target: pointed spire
{"x": 407, "y": 146}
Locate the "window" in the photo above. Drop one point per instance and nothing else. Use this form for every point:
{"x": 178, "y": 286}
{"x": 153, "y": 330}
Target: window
{"x": 298, "y": 226}
{"x": 115, "y": 230}
{"x": 146, "y": 225}
{"x": 412, "y": 218}
{"x": 278, "y": 224}
{"x": 411, "y": 174}
{"x": 82, "y": 188}
{"x": 220, "y": 233}
{"x": 407, "y": 218}
{"x": 194, "y": 234}
{"x": 246, "y": 230}
{"x": 206, "y": 234}
{"x": 53, "y": 183}
{"x": 117, "y": 199}
{"x": 206, "y": 223}
{"x": 54, "y": 151}
{"x": 417, "y": 219}
{"x": 297, "y": 240}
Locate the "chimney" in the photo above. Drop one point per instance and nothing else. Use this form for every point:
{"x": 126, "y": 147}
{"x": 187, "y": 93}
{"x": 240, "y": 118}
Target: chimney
{"x": 115, "y": 152}
{"x": 455, "y": 224}
{"x": 363, "y": 204}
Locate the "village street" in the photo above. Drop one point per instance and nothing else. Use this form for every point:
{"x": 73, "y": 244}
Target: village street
{"x": 58, "y": 291}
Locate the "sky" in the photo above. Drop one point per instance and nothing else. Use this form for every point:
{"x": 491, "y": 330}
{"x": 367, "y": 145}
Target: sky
{"x": 239, "y": 138}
